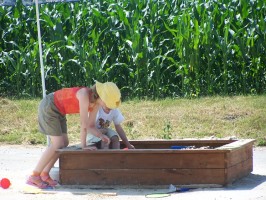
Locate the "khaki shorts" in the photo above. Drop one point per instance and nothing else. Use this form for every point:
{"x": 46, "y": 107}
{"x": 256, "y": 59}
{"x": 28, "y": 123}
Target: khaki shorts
{"x": 91, "y": 139}
{"x": 51, "y": 121}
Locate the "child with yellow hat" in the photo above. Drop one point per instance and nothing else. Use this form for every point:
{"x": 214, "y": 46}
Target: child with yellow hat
{"x": 105, "y": 118}
{"x": 52, "y": 122}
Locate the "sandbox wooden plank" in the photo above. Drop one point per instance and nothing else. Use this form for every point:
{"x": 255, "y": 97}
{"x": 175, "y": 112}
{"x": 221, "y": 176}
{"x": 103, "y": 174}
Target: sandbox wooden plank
{"x": 166, "y": 144}
{"x": 141, "y": 160}
{"x": 163, "y": 145}
{"x": 142, "y": 176}
{"x": 239, "y": 170}
{"x": 238, "y": 156}
{"x": 237, "y": 144}
{"x": 136, "y": 151}
{"x": 240, "y": 151}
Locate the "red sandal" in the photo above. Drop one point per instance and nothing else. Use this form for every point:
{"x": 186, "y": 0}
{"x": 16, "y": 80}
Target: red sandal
{"x": 37, "y": 182}
{"x": 48, "y": 180}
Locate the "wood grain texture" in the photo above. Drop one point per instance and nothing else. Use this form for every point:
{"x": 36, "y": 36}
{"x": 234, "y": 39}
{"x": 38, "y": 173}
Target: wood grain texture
{"x": 224, "y": 163}
{"x": 142, "y": 160}
{"x": 142, "y": 176}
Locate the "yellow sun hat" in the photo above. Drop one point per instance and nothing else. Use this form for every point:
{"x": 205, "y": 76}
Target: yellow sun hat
{"x": 109, "y": 94}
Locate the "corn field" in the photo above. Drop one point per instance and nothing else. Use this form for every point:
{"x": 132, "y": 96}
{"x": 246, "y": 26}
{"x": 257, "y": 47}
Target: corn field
{"x": 151, "y": 48}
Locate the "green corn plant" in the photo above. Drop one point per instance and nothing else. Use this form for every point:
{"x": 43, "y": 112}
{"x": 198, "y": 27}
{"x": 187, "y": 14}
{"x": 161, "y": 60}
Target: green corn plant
{"x": 159, "y": 48}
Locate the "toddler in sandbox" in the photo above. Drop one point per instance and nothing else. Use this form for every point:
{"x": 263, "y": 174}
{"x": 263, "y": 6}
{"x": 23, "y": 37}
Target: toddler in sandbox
{"x": 104, "y": 119}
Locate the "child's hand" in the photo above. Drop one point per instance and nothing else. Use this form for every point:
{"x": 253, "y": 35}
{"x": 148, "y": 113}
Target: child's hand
{"x": 130, "y": 146}
{"x": 105, "y": 139}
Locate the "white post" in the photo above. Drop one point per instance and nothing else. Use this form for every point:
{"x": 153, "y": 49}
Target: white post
{"x": 40, "y": 53}
{"x": 40, "y": 47}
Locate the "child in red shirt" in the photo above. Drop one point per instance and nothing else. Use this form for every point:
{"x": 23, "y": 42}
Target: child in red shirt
{"x": 52, "y": 122}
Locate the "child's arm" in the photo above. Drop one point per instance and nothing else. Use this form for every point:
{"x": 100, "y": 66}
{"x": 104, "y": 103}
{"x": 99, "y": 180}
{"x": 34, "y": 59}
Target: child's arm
{"x": 87, "y": 123}
{"x": 92, "y": 127}
{"x": 123, "y": 136}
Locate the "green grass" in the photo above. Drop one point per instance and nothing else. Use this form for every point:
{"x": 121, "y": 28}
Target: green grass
{"x": 209, "y": 117}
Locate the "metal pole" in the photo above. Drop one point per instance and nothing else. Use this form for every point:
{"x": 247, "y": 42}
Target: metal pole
{"x": 40, "y": 53}
{"x": 40, "y": 47}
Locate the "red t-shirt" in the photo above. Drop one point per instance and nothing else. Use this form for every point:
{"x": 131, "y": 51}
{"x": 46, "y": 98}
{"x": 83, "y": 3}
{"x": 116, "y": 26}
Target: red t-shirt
{"x": 66, "y": 101}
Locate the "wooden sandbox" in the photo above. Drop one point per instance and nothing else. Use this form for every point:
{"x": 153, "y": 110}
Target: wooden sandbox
{"x": 155, "y": 162}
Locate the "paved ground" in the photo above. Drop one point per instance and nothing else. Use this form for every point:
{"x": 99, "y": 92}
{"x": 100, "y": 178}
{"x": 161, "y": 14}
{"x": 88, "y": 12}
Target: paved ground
{"x": 16, "y": 162}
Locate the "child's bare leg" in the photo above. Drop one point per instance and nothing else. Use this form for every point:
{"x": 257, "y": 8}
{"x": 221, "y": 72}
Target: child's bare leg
{"x": 49, "y": 166}
{"x": 48, "y": 158}
{"x": 115, "y": 143}
{"x": 57, "y": 142}
{"x": 104, "y": 145}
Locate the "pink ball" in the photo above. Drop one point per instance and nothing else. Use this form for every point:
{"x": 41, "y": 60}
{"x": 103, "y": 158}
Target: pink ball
{"x": 5, "y": 183}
